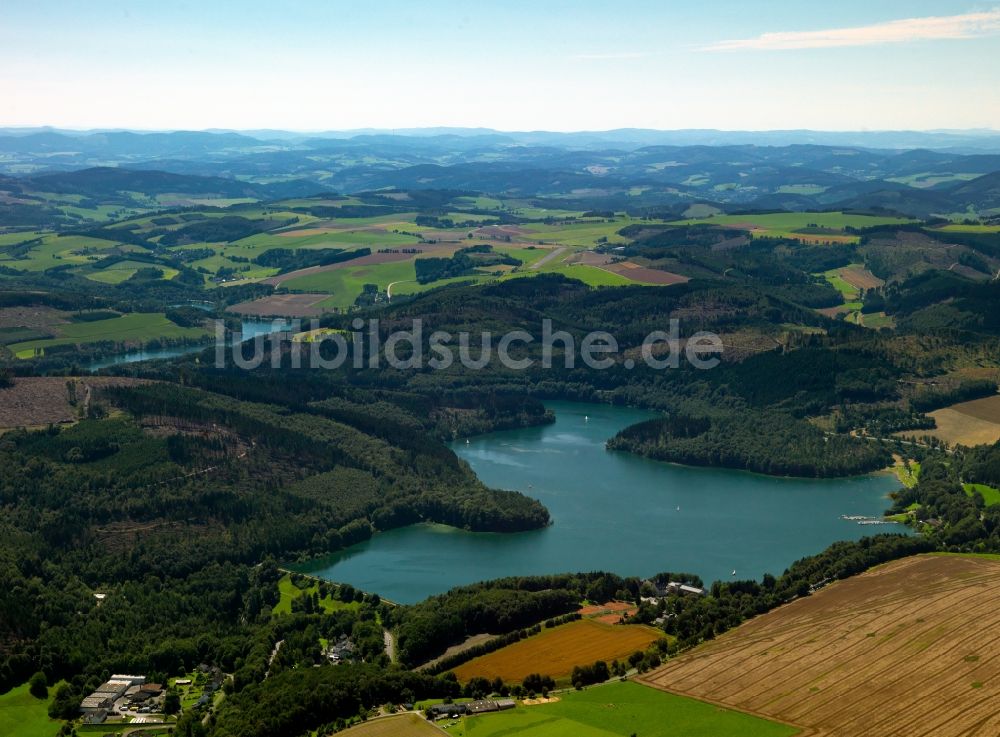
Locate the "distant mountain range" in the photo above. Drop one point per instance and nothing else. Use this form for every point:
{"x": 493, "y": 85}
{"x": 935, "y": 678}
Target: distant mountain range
{"x": 914, "y": 173}
{"x": 958, "y": 140}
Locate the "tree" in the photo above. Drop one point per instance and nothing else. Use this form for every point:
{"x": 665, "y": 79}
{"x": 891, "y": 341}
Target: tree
{"x": 171, "y": 702}
{"x": 65, "y": 705}
{"x": 38, "y": 686}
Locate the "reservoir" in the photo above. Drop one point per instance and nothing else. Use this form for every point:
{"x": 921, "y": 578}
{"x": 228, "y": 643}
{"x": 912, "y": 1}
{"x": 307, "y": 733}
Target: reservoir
{"x": 250, "y": 329}
{"x": 615, "y": 512}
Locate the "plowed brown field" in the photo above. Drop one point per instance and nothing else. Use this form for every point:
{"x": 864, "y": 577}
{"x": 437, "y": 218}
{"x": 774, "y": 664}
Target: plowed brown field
{"x": 910, "y": 648}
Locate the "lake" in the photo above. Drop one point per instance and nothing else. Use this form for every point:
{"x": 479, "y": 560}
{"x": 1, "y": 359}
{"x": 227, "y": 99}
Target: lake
{"x": 616, "y": 512}
{"x": 249, "y": 330}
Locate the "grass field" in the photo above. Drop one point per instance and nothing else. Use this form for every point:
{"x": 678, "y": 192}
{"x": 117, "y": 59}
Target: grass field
{"x": 792, "y": 224}
{"x": 56, "y": 250}
{"x": 582, "y": 234}
{"x": 22, "y": 715}
{"x": 135, "y": 327}
{"x": 289, "y": 591}
{"x": 119, "y": 272}
{"x": 991, "y": 496}
{"x": 400, "y": 725}
{"x": 345, "y": 284}
{"x": 557, "y": 650}
{"x": 908, "y": 475}
{"x": 876, "y": 320}
{"x": 847, "y": 290}
{"x": 963, "y": 228}
{"x": 619, "y": 710}
{"x": 908, "y": 648}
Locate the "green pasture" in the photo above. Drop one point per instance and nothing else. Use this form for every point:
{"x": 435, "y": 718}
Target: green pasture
{"x": 119, "y": 272}
{"x": 59, "y": 250}
{"x": 788, "y": 224}
{"x": 583, "y": 234}
{"x": 620, "y": 709}
{"x": 991, "y": 495}
{"x": 290, "y": 591}
{"x": 136, "y": 327}
{"x": 22, "y": 715}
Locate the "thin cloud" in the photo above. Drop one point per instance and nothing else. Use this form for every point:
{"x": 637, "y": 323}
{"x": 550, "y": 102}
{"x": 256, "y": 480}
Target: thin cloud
{"x": 968, "y": 25}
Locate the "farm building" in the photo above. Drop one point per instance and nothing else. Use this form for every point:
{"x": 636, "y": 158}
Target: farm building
{"x": 486, "y": 705}
{"x": 110, "y": 691}
{"x": 132, "y": 680}
{"x": 96, "y": 702}
{"x": 676, "y": 587}
{"x": 114, "y": 686}
{"x": 95, "y": 717}
{"x": 443, "y": 710}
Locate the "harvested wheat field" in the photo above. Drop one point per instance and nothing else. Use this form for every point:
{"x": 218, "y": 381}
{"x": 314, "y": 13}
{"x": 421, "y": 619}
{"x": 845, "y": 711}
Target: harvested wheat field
{"x": 401, "y": 725}
{"x": 969, "y": 423}
{"x": 555, "y": 651}
{"x": 909, "y": 648}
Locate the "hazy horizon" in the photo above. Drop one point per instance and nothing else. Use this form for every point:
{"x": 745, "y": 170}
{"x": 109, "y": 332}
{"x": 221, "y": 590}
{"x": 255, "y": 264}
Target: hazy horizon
{"x": 487, "y": 129}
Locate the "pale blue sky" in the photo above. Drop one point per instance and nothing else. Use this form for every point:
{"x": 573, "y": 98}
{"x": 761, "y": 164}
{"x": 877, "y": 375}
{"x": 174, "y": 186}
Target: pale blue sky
{"x": 849, "y": 65}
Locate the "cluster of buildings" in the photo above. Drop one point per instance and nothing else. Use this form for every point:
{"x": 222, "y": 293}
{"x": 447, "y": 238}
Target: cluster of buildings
{"x": 120, "y": 693}
{"x": 213, "y": 684}
{"x": 482, "y": 706}
{"x": 675, "y": 587}
{"x": 671, "y": 588}
{"x": 341, "y": 650}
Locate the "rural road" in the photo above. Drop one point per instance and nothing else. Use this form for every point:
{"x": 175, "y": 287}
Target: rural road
{"x": 546, "y": 258}
{"x": 274, "y": 654}
{"x": 388, "y": 289}
{"x": 390, "y": 645}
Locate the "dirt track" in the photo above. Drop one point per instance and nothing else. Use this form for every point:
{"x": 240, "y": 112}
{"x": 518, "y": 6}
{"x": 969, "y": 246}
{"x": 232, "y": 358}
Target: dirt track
{"x": 911, "y": 648}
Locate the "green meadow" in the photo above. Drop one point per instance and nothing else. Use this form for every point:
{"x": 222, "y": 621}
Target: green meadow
{"x": 56, "y": 250}
{"x": 991, "y": 496}
{"x": 796, "y": 220}
{"x": 135, "y": 327}
{"x": 289, "y": 591}
{"x": 620, "y": 709}
{"x": 346, "y": 283}
{"x": 22, "y": 715}
{"x": 969, "y": 228}
{"x": 848, "y": 291}
{"x": 796, "y": 224}
{"x": 585, "y": 234}
{"x": 119, "y": 272}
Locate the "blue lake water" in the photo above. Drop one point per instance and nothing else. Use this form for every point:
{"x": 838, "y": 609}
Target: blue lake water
{"x": 616, "y": 512}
